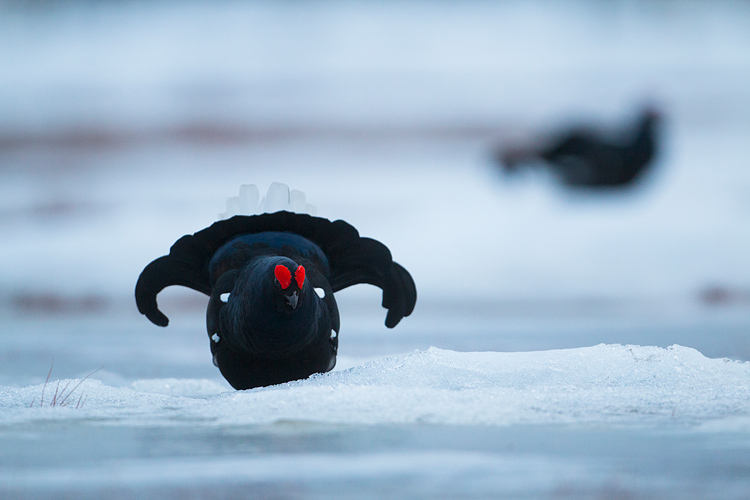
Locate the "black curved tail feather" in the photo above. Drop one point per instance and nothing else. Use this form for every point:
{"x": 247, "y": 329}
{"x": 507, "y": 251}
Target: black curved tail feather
{"x": 352, "y": 260}
{"x": 159, "y": 274}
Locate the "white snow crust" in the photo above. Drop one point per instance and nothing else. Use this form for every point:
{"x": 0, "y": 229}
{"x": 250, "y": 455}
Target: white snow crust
{"x": 608, "y": 384}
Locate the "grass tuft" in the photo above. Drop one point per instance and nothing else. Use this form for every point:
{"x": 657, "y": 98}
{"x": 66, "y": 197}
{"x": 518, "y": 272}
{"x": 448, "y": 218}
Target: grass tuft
{"x": 62, "y": 398}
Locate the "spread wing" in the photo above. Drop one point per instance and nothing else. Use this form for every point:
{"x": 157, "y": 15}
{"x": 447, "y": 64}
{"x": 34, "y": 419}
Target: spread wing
{"x": 352, "y": 260}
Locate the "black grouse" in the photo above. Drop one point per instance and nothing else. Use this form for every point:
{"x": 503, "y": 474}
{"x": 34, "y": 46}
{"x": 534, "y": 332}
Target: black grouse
{"x": 586, "y": 159}
{"x": 272, "y": 316}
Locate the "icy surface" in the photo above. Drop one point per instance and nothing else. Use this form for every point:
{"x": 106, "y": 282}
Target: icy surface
{"x": 604, "y": 384}
{"x": 607, "y": 421}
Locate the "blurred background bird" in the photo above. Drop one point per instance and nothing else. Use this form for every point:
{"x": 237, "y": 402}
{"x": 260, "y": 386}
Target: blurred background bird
{"x": 585, "y": 157}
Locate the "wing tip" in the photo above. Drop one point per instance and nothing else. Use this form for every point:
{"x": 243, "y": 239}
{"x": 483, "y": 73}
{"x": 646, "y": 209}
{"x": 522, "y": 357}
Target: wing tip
{"x": 159, "y": 319}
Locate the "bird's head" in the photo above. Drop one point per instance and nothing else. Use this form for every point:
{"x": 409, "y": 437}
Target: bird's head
{"x": 290, "y": 283}
{"x": 651, "y": 116}
{"x": 268, "y": 307}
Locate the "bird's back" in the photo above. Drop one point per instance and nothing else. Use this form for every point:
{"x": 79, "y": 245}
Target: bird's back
{"x": 241, "y": 248}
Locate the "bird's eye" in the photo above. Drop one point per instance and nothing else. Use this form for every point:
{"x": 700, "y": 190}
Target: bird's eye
{"x": 299, "y": 276}
{"x": 283, "y": 275}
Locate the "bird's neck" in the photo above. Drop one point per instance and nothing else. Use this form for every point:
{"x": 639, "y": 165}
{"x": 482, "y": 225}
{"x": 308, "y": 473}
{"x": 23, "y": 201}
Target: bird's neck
{"x": 266, "y": 326}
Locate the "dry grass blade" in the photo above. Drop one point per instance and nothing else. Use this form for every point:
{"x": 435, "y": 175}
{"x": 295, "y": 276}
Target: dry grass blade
{"x": 65, "y": 401}
{"x": 61, "y": 397}
{"x": 41, "y": 403}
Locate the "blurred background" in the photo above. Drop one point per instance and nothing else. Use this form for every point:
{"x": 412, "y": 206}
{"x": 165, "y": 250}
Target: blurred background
{"x": 125, "y": 125}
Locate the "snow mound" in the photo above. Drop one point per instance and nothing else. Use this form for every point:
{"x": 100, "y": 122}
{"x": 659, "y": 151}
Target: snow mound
{"x": 179, "y": 387}
{"x": 600, "y": 384}
{"x": 279, "y": 197}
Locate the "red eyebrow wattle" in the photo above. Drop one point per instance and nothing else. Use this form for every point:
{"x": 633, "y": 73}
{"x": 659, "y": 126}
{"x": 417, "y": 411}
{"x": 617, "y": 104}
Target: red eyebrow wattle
{"x": 283, "y": 275}
{"x": 299, "y": 275}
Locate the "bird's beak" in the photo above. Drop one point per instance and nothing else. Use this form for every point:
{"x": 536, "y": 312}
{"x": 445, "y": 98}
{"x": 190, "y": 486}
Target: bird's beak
{"x": 292, "y": 299}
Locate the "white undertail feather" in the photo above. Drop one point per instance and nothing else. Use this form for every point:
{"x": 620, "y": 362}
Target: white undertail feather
{"x": 278, "y": 197}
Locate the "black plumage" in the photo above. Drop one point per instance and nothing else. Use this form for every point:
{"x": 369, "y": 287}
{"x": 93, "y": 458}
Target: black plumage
{"x": 588, "y": 159}
{"x": 272, "y": 316}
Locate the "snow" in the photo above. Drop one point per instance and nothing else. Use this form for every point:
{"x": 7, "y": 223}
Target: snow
{"x": 594, "y": 422}
{"x": 604, "y": 384}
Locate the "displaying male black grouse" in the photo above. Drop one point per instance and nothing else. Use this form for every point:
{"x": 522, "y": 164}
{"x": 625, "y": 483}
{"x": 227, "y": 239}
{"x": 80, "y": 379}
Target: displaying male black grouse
{"x": 272, "y": 316}
{"x": 585, "y": 158}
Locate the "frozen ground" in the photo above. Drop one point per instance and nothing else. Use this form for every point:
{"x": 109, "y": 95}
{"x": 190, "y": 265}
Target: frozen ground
{"x": 157, "y": 421}
{"x": 564, "y": 345}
